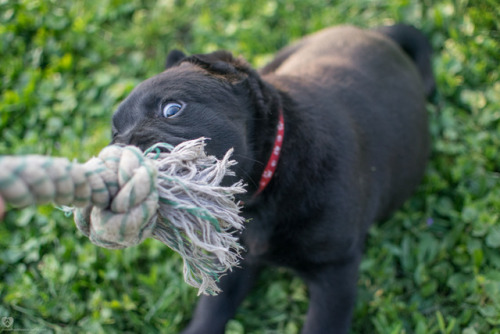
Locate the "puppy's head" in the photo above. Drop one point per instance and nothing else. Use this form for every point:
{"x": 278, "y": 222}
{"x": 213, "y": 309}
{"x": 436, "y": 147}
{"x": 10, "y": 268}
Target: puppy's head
{"x": 209, "y": 95}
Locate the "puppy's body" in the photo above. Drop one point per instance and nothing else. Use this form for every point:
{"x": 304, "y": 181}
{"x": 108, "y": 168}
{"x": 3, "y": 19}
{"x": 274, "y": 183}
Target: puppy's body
{"x": 355, "y": 147}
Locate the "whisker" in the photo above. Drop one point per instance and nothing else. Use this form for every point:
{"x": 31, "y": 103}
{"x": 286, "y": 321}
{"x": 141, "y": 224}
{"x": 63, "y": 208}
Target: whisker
{"x": 254, "y": 183}
{"x": 248, "y": 159}
{"x": 257, "y": 119}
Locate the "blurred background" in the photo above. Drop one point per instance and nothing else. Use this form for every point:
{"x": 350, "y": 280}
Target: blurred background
{"x": 434, "y": 267}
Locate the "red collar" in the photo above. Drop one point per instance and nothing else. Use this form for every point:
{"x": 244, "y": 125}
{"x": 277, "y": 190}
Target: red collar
{"x": 272, "y": 163}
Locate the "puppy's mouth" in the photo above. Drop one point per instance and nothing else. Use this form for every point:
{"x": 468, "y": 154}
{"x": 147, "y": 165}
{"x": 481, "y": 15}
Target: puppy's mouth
{"x": 144, "y": 142}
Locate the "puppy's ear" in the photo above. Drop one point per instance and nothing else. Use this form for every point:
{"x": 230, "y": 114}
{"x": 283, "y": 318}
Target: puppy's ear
{"x": 238, "y": 71}
{"x": 221, "y": 63}
{"x": 173, "y": 58}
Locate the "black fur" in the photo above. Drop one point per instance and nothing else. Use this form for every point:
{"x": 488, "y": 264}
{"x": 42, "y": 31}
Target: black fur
{"x": 355, "y": 147}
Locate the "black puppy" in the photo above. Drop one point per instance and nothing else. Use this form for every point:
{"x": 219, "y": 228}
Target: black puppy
{"x": 331, "y": 136}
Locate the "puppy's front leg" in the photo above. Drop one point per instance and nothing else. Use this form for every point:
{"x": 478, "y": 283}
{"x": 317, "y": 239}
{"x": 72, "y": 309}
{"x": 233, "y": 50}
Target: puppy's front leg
{"x": 332, "y": 290}
{"x": 213, "y": 312}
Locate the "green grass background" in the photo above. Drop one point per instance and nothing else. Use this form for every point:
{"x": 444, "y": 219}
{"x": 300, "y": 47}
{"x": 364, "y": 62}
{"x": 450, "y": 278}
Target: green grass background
{"x": 65, "y": 65}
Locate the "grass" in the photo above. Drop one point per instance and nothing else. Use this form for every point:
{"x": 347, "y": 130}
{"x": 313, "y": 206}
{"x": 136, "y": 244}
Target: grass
{"x": 434, "y": 267}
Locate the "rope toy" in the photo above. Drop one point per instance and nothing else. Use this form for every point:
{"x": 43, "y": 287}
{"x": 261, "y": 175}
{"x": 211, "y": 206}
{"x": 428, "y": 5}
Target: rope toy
{"x": 124, "y": 196}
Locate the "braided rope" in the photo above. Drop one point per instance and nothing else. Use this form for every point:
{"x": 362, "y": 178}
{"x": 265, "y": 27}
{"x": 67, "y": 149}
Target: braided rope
{"x": 124, "y": 196}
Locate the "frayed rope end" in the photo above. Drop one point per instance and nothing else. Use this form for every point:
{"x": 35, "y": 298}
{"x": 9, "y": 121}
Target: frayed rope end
{"x": 197, "y": 217}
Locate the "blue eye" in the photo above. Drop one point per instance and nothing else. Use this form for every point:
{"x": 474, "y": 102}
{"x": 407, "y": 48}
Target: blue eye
{"x": 171, "y": 109}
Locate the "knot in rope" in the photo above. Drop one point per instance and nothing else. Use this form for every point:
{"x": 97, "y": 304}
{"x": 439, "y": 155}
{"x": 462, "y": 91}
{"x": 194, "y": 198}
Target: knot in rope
{"x": 124, "y": 196}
